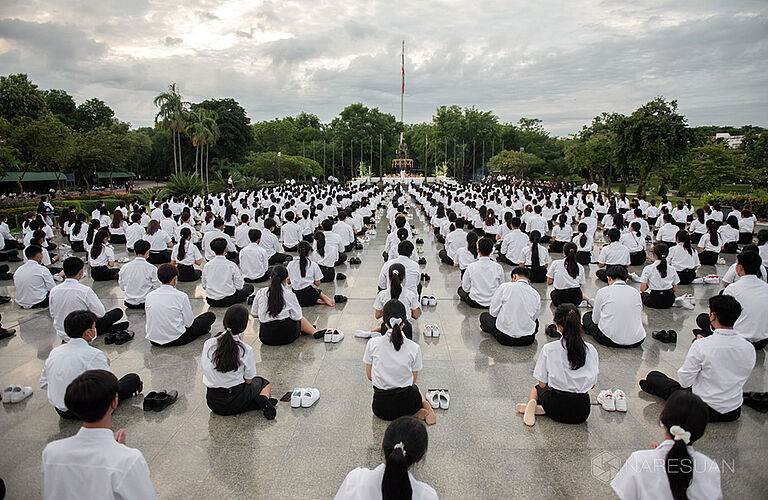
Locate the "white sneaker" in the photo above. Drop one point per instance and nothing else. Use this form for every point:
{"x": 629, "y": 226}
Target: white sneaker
{"x": 57, "y": 277}
{"x": 721, "y": 261}
{"x": 309, "y": 397}
{"x": 428, "y": 331}
{"x": 605, "y": 398}
{"x": 712, "y": 279}
{"x": 425, "y": 300}
{"x": 123, "y": 260}
{"x": 336, "y": 336}
{"x": 620, "y": 399}
{"x": 16, "y": 394}
{"x": 697, "y": 281}
{"x": 433, "y": 398}
{"x": 328, "y": 335}
{"x": 296, "y": 397}
{"x": 432, "y": 300}
{"x": 584, "y": 303}
{"x": 445, "y": 399}
{"x": 435, "y": 331}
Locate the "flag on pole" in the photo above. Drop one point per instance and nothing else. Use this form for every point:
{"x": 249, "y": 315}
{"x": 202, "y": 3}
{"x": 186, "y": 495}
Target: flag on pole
{"x": 403, "y": 68}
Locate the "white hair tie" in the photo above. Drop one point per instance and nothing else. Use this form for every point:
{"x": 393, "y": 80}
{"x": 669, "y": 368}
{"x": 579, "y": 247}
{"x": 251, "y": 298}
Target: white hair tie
{"x": 394, "y": 321}
{"x": 395, "y": 272}
{"x": 400, "y": 446}
{"x": 680, "y": 434}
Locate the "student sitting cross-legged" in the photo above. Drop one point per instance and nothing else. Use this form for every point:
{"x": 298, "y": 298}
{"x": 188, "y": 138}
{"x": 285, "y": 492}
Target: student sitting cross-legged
{"x": 404, "y": 444}
{"x": 567, "y": 276}
{"x": 536, "y": 258}
{"x": 612, "y": 254}
{"x": 69, "y": 360}
{"x": 616, "y": 316}
{"x": 659, "y": 280}
{"x": 222, "y": 281}
{"x": 185, "y": 256}
{"x": 392, "y": 363}
{"x": 566, "y": 370}
{"x": 715, "y": 368}
{"x": 101, "y": 258}
{"x": 138, "y": 277}
{"x": 396, "y": 291}
{"x": 303, "y": 273}
{"x": 170, "y": 321}
{"x": 32, "y": 280}
{"x": 513, "y": 315}
{"x": 279, "y": 312}
{"x": 71, "y": 295}
{"x": 482, "y": 278}
{"x": 254, "y": 261}
{"x": 672, "y": 469}
{"x": 94, "y": 463}
{"x": 229, "y": 370}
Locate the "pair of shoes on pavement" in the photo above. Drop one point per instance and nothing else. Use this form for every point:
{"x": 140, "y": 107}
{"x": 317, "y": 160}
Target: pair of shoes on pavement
{"x": 304, "y": 397}
{"x": 333, "y": 336}
{"x": 425, "y": 277}
{"x": 429, "y": 300}
{"x": 432, "y": 331}
{"x": 6, "y": 332}
{"x": 665, "y": 336}
{"x": 355, "y": 261}
{"x": 613, "y": 401}
{"x": 341, "y": 276}
{"x": 757, "y": 401}
{"x": 159, "y": 401}
{"x": 16, "y": 393}
{"x": 686, "y": 301}
{"x": 438, "y": 398}
{"x": 119, "y": 338}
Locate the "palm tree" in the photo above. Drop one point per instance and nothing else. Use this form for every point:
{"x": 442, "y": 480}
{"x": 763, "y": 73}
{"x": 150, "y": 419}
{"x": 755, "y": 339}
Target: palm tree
{"x": 173, "y": 113}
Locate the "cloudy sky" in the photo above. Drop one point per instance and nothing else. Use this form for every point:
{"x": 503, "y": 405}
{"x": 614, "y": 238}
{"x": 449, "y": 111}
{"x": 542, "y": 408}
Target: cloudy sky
{"x": 561, "y": 61}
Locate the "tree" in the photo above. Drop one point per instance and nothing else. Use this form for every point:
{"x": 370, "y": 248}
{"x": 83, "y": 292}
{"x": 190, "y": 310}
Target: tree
{"x": 651, "y": 138}
{"x": 19, "y": 97}
{"x": 92, "y": 114}
{"x": 269, "y": 166}
{"x": 709, "y": 167}
{"x": 236, "y": 135}
{"x": 173, "y": 114}
{"x": 755, "y": 148}
{"x": 515, "y": 162}
{"x": 63, "y": 106}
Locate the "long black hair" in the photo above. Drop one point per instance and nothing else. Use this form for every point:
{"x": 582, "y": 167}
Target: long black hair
{"x": 395, "y": 310}
{"x": 304, "y": 250}
{"x": 562, "y": 220}
{"x": 226, "y": 354}
{"x": 93, "y": 227}
{"x": 700, "y": 215}
{"x": 712, "y": 226}
{"x": 275, "y": 299}
{"x": 583, "y": 230}
{"x": 661, "y": 250}
{"x": 567, "y": 317}
{"x": 320, "y": 242}
{"x": 98, "y": 242}
{"x": 78, "y": 223}
{"x": 472, "y": 239}
{"x": 685, "y": 238}
{"x": 185, "y": 233}
{"x": 396, "y": 277}
{"x": 405, "y": 443}
{"x": 534, "y": 238}
{"x": 683, "y": 412}
{"x": 635, "y": 226}
{"x": 571, "y": 265}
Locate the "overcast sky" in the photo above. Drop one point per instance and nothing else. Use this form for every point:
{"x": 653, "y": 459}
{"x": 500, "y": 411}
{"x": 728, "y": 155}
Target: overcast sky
{"x": 561, "y": 61}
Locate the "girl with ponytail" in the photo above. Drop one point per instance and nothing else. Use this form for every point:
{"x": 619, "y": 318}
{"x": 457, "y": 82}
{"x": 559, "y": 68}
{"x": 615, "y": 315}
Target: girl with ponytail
{"x": 392, "y": 363}
{"x": 683, "y": 258}
{"x": 101, "y": 258}
{"x": 635, "y": 242}
{"x": 536, "y": 258}
{"x": 279, "y": 312}
{"x": 328, "y": 253}
{"x": 405, "y": 443}
{"x": 467, "y": 255}
{"x": 729, "y": 235}
{"x": 660, "y": 278}
{"x": 93, "y": 228}
{"x": 78, "y": 233}
{"x": 396, "y": 291}
{"x": 566, "y": 371}
{"x": 698, "y": 226}
{"x": 229, "y": 371}
{"x": 672, "y": 468}
{"x": 584, "y": 242}
{"x": 567, "y": 276}
{"x": 561, "y": 233}
{"x": 185, "y": 256}
{"x": 710, "y": 245}
{"x": 303, "y": 273}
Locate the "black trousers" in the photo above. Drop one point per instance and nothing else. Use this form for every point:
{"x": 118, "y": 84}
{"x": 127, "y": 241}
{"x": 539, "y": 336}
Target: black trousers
{"x": 538, "y": 275}
{"x": 745, "y": 238}
{"x": 566, "y": 296}
{"x": 128, "y": 385}
{"x": 393, "y": 403}
{"x": 291, "y": 249}
{"x": 556, "y": 246}
{"x": 134, "y": 306}
{"x": 117, "y": 239}
{"x": 199, "y": 327}
{"x": 260, "y": 279}
{"x": 696, "y": 237}
{"x": 188, "y": 273}
{"x": 488, "y": 325}
{"x": 236, "y": 298}
{"x": 658, "y": 299}
{"x": 638, "y": 258}
{"x": 591, "y": 328}
{"x": 342, "y": 259}
{"x": 443, "y": 254}
{"x": 464, "y": 296}
{"x": 279, "y": 258}
{"x": 238, "y": 399}
{"x": 731, "y": 247}
{"x": 104, "y": 273}
{"x": 12, "y": 245}
{"x": 104, "y": 324}
{"x": 280, "y": 332}
{"x": 564, "y": 407}
{"x": 329, "y": 274}
{"x": 660, "y": 385}
{"x": 159, "y": 257}
{"x": 602, "y": 274}
{"x": 686, "y": 276}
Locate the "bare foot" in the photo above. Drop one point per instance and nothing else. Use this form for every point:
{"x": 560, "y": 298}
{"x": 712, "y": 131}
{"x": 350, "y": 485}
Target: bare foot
{"x": 427, "y": 415}
{"x": 529, "y": 417}
{"x": 521, "y": 408}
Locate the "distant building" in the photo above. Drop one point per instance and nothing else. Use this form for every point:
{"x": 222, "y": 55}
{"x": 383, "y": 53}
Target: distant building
{"x": 731, "y": 141}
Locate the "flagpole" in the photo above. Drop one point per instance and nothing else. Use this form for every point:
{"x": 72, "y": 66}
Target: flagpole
{"x": 402, "y": 89}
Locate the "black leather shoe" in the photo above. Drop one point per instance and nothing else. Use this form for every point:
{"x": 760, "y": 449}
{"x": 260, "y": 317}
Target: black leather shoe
{"x": 165, "y": 399}
{"x": 110, "y": 338}
{"x": 4, "y": 299}
{"x": 551, "y": 331}
{"x": 340, "y": 276}
{"x": 6, "y": 332}
{"x": 149, "y": 401}
{"x": 757, "y": 401}
{"x": 123, "y": 337}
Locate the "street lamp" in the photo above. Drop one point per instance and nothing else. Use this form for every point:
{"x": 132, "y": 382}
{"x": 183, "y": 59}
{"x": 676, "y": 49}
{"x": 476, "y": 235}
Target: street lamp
{"x": 522, "y": 160}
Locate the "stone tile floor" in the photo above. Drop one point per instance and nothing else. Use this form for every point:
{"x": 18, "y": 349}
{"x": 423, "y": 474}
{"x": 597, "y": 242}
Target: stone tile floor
{"x": 479, "y": 448}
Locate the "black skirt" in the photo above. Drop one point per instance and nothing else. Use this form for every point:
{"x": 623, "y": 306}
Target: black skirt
{"x": 556, "y": 246}
{"x": 104, "y": 273}
{"x": 745, "y": 238}
{"x": 566, "y": 296}
{"x": 584, "y": 258}
{"x": 188, "y": 273}
{"x": 564, "y": 407}
{"x": 731, "y": 247}
{"x": 117, "y": 238}
{"x": 708, "y": 258}
{"x": 237, "y": 399}
{"x": 686, "y": 276}
{"x": 280, "y": 332}
{"x": 696, "y": 237}
{"x": 159, "y": 256}
{"x": 77, "y": 246}
{"x": 229, "y": 231}
{"x": 539, "y": 275}
{"x": 307, "y": 296}
{"x": 658, "y": 299}
{"x": 393, "y": 403}
{"x": 637, "y": 258}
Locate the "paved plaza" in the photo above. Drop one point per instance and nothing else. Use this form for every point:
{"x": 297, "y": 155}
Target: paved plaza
{"x": 479, "y": 448}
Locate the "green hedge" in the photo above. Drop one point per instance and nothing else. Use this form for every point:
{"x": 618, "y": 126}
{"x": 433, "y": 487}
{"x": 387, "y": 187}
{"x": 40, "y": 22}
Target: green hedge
{"x": 757, "y": 201}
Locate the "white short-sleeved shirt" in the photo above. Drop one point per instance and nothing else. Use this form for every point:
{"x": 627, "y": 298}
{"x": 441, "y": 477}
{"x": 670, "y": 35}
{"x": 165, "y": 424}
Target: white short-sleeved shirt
{"x": 553, "y": 368}
{"x": 191, "y": 254}
{"x": 312, "y": 273}
{"x": 158, "y": 241}
{"x": 291, "y": 308}
{"x": 544, "y": 258}
{"x": 562, "y": 233}
{"x": 407, "y": 297}
{"x": 392, "y": 369}
{"x": 680, "y": 259}
{"x": 706, "y": 244}
{"x": 561, "y": 279}
{"x": 614, "y": 254}
{"x": 644, "y": 477}
{"x": 588, "y": 244}
{"x": 652, "y": 277}
{"x": 366, "y": 483}
{"x": 246, "y": 369}
{"x": 106, "y": 256}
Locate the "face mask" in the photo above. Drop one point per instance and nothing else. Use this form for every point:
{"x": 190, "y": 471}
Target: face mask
{"x": 94, "y": 337}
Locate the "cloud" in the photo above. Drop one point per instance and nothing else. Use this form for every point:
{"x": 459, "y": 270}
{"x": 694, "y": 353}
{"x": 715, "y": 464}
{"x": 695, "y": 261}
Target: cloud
{"x": 562, "y": 62}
